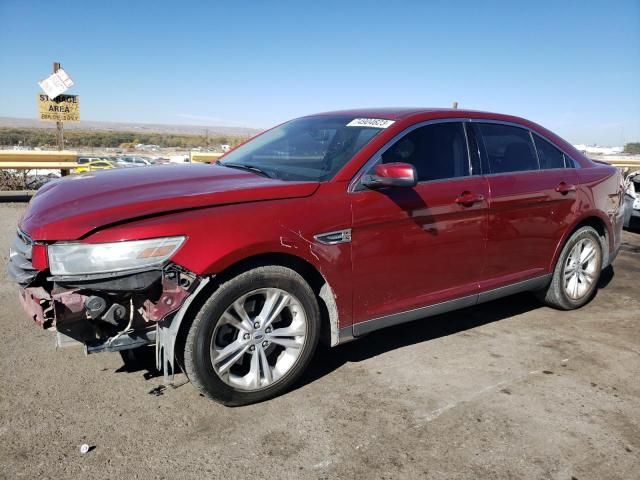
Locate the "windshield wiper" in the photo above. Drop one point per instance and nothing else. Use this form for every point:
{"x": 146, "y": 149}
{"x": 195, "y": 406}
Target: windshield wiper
{"x": 242, "y": 166}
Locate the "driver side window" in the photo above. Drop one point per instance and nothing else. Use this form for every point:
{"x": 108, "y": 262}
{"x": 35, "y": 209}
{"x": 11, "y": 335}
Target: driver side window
{"x": 437, "y": 151}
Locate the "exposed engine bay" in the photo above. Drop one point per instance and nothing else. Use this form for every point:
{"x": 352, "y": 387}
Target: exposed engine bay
{"x": 105, "y": 313}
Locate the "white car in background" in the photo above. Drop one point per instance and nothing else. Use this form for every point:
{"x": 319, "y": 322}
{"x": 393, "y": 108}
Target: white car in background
{"x": 136, "y": 161}
{"x": 632, "y": 200}
{"x": 179, "y": 159}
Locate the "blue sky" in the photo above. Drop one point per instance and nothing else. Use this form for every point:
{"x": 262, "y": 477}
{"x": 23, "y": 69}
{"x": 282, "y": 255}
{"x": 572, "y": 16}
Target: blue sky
{"x": 573, "y": 66}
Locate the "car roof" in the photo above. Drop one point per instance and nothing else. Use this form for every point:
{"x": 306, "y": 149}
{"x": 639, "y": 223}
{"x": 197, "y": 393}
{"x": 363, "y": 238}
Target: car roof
{"x": 401, "y": 113}
{"x": 390, "y": 113}
{"x": 408, "y": 115}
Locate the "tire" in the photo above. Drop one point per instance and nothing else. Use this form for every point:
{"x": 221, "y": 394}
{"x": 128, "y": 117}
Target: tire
{"x": 269, "y": 356}
{"x": 569, "y": 291}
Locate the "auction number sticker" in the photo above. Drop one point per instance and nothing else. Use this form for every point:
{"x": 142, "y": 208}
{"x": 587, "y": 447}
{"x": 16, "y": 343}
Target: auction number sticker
{"x": 370, "y": 122}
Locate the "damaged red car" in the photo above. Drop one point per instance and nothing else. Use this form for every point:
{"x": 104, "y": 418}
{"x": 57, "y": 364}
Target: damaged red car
{"x": 324, "y": 228}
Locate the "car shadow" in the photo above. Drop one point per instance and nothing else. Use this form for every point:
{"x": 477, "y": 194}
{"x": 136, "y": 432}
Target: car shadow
{"x": 142, "y": 359}
{"x": 328, "y": 359}
{"x": 605, "y": 277}
{"x": 634, "y": 225}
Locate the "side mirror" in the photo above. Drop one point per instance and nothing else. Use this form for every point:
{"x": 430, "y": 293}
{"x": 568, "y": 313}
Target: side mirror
{"x": 391, "y": 175}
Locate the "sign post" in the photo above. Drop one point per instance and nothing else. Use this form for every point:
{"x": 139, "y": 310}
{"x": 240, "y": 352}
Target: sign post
{"x": 54, "y": 106}
{"x": 59, "y": 124}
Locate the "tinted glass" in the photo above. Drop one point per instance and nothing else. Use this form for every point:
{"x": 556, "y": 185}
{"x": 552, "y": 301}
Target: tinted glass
{"x": 474, "y": 149}
{"x": 509, "y": 148}
{"x": 549, "y": 156}
{"x": 436, "y": 151}
{"x": 311, "y": 148}
{"x": 568, "y": 162}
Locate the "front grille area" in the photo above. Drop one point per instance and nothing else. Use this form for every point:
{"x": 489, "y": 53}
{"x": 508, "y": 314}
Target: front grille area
{"x": 20, "y": 268}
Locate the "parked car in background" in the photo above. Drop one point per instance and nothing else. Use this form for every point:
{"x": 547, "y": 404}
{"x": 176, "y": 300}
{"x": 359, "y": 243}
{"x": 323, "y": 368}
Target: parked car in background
{"x": 94, "y": 165}
{"x": 632, "y": 212}
{"x": 179, "y": 159}
{"x": 136, "y": 161}
{"x": 119, "y": 162}
{"x": 160, "y": 161}
{"x": 83, "y": 160}
{"x": 325, "y": 228}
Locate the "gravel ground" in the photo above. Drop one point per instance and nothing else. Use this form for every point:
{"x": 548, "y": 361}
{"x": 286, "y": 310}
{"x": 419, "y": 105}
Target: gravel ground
{"x": 508, "y": 389}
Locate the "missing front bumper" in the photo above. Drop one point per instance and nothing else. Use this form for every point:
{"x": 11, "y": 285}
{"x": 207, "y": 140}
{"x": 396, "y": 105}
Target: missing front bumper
{"x": 109, "y": 314}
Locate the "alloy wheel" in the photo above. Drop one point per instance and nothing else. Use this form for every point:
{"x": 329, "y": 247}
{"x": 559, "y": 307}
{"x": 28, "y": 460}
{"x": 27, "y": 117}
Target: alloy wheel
{"x": 258, "y": 339}
{"x": 580, "y": 269}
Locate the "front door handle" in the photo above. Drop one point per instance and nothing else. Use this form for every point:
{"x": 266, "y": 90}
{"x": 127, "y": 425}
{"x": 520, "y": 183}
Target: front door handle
{"x": 564, "y": 188}
{"x": 467, "y": 198}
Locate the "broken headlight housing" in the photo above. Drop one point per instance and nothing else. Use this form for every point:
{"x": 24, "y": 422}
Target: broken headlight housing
{"x": 91, "y": 258}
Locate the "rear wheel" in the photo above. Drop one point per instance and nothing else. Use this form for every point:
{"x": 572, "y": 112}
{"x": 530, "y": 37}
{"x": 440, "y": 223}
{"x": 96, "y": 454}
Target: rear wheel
{"x": 254, "y": 337}
{"x": 577, "y": 271}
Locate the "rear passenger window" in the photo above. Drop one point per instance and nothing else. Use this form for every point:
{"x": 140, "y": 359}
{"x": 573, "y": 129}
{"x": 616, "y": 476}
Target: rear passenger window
{"x": 509, "y": 148}
{"x": 437, "y": 151}
{"x": 549, "y": 156}
{"x": 568, "y": 162}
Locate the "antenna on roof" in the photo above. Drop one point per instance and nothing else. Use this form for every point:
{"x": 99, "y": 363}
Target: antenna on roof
{"x": 455, "y": 105}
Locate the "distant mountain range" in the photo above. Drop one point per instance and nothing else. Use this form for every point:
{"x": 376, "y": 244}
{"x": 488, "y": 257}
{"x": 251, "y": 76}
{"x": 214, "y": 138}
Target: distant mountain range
{"x": 11, "y": 122}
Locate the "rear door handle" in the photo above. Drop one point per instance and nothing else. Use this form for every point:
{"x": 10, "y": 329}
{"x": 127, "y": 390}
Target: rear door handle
{"x": 467, "y": 198}
{"x": 564, "y": 188}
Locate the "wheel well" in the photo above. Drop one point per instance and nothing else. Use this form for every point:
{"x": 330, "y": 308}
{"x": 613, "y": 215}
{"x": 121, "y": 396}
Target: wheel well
{"x": 599, "y": 226}
{"x": 304, "y": 268}
{"x": 310, "y": 274}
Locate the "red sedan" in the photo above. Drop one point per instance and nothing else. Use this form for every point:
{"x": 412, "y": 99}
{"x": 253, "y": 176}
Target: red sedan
{"x": 324, "y": 228}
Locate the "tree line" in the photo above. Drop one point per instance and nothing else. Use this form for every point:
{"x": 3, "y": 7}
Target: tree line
{"x": 43, "y": 137}
{"x": 633, "y": 148}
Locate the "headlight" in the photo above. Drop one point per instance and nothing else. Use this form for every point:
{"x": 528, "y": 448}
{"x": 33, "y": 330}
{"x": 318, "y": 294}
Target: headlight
{"x": 89, "y": 258}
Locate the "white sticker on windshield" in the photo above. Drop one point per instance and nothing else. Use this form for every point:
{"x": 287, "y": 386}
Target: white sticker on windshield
{"x": 370, "y": 122}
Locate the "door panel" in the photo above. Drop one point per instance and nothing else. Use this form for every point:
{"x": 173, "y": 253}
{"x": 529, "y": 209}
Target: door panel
{"x": 413, "y": 247}
{"x": 527, "y": 217}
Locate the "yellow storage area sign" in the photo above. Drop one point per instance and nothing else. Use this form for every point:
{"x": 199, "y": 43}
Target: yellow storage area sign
{"x": 63, "y": 108}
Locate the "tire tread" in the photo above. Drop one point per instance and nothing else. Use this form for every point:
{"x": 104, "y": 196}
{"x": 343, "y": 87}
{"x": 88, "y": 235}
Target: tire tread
{"x": 553, "y": 296}
{"x": 249, "y": 277}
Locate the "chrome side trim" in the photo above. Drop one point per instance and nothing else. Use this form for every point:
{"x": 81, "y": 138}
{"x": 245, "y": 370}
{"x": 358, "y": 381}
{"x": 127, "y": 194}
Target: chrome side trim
{"x": 334, "y": 238}
{"x": 466, "y": 142}
{"x": 368, "y": 326}
{"x": 355, "y": 185}
{"x": 512, "y": 124}
{"x": 535, "y": 149}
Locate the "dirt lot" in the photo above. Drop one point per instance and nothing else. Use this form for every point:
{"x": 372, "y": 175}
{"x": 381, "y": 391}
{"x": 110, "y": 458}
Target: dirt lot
{"x": 508, "y": 389}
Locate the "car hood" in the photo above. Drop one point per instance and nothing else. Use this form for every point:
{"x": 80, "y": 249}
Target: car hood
{"x": 70, "y": 208}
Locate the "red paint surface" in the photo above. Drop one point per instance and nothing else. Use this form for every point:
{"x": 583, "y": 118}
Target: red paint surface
{"x": 411, "y": 246}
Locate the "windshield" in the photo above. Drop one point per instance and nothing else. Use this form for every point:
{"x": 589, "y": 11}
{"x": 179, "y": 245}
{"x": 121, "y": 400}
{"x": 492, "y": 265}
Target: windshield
{"x": 311, "y": 148}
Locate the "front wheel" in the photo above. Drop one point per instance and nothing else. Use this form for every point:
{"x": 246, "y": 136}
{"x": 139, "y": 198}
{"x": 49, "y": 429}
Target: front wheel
{"x": 254, "y": 337}
{"x": 577, "y": 271}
